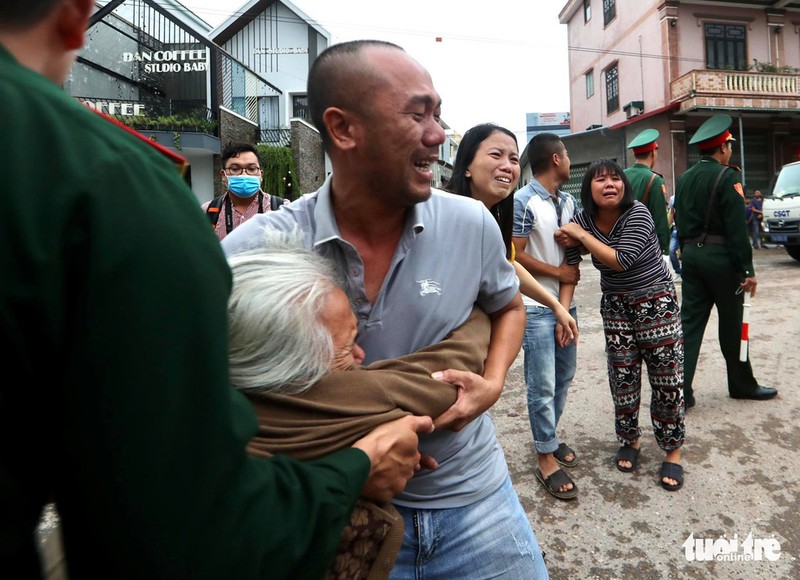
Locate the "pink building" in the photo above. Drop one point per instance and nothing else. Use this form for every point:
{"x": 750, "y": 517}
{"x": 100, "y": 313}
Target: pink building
{"x": 669, "y": 65}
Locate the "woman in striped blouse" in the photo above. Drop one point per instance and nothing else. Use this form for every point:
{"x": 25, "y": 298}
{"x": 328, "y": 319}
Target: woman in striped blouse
{"x": 640, "y": 311}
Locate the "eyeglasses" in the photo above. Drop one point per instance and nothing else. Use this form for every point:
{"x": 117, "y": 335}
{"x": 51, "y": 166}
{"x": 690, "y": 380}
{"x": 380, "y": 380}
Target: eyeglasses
{"x": 237, "y": 170}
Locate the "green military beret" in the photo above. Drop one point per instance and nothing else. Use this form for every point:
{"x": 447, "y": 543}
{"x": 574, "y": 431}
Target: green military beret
{"x": 713, "y": 133}
{"x": 644, "y": 142}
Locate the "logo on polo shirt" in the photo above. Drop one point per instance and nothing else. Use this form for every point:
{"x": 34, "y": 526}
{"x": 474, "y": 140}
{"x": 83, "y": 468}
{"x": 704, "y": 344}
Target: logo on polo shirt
{"x": 429, "y": 286}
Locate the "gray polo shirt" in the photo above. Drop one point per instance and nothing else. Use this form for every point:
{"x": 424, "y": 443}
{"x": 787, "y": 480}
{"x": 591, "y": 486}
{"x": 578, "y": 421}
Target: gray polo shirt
{"x": 450, "y": 256}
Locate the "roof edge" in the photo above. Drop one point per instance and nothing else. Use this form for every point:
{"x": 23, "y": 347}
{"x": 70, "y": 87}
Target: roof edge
{"x": 568, "y": 11}
{"x": 248, "y": 12}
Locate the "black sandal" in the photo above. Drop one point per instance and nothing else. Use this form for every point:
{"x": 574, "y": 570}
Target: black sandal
{"x": 561, "y": 453}
{"x": 671, "y": 471}
{"x": 627, "y": 453}
{"x": 555, "y": 481}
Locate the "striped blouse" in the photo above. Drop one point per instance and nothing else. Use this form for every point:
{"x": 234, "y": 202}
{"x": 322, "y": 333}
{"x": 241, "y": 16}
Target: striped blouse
{"x": 634, "y": 238}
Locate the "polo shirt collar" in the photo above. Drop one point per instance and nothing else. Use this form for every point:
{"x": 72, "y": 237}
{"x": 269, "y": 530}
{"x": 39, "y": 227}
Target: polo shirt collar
{"x": 328, "y": 230}
{"x": 539, "y": 189}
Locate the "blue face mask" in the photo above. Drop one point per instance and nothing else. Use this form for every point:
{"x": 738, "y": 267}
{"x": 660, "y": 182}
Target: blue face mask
{"x": 244, "y": 185}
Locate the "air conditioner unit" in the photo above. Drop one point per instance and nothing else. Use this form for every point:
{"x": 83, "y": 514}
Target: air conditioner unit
{"x": 633, "y": 108}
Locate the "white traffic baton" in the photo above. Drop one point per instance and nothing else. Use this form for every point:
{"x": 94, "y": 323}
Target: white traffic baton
{"x": 745, "y": 329}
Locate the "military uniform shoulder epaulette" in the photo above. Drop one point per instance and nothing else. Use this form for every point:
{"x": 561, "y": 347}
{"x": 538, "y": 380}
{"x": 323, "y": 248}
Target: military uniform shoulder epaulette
{"x": 739, "y": 169}
{"x": 657, "y": 173}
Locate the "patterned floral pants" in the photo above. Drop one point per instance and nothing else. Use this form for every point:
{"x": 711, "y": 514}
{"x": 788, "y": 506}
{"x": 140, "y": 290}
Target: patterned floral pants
{"x": 646, "y": 325}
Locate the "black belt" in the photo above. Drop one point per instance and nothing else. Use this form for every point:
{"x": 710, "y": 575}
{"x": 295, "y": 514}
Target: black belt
{"x": 706, "y": 239}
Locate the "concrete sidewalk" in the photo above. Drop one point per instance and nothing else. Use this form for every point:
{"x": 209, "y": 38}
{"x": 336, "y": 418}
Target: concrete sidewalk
{"x": 740, "y": 457}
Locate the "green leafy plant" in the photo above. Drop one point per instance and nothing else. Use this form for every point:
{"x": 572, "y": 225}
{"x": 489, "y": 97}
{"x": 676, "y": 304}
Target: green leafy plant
{"x": 768, "y": 67}
{"x": 174, "y": 123}
{"x": 279, "y": 170}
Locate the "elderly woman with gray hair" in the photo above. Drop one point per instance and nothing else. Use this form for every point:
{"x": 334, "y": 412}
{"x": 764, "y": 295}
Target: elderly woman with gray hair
{"x": 292, "y": 351}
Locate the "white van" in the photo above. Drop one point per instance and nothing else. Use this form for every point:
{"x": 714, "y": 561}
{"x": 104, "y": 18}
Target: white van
{"x": 782, "y": 211}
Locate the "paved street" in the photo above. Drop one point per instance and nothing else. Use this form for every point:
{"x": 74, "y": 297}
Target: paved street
{"x": 740, "y": 457}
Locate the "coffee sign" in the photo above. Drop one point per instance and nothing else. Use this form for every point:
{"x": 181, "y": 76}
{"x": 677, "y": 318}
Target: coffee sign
{"x": 169, "y": 61}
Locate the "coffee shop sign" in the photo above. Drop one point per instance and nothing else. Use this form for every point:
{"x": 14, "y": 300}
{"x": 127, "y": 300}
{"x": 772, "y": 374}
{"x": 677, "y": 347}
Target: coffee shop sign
{"x": 165, "y": 61}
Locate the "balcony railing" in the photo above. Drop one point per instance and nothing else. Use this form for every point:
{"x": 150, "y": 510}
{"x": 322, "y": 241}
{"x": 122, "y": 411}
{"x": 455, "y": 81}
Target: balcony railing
{"x": 733, "y": 88}
{"x": 762, "y": 83}
{"x": 276, "y": 137}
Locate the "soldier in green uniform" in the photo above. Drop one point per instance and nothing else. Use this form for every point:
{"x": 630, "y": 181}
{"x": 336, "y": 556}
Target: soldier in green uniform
{"x": 648, "y": 186}
{"x": 113, "y": 303}
{"x": 717, "y": 257}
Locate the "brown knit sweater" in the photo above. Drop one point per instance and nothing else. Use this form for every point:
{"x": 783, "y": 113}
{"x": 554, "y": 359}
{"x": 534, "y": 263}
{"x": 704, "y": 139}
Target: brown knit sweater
{"x": 344, "y": 406}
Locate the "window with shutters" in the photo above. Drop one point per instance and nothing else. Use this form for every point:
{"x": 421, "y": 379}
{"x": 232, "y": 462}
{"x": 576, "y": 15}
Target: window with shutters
{"x": 726, "y": 46}
{"x": 609, "y": 11}
{"x": 612, "y": 89}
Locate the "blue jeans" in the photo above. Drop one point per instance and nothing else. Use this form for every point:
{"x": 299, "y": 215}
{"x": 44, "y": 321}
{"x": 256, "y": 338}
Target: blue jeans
{"x": 549, "y": 370}
{"x": 490, "y": 538}
{"x": 673, "y": 251}
{"x": 754, "y": 228}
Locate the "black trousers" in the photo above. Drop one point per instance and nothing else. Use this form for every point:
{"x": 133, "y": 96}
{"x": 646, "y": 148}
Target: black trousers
{"x": 709, "y": 280}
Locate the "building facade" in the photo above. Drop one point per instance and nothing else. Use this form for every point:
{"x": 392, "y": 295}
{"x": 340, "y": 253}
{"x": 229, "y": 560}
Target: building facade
{"x": 160, "y": 69}
{"x": 280, "y": 42}
{"x": 670, "y": 65}
{"x": 151, "y": 65}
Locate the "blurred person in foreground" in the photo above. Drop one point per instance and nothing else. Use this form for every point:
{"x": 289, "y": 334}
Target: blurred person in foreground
{"x": 123, "y": 329}
{"x": 414, "y": 271}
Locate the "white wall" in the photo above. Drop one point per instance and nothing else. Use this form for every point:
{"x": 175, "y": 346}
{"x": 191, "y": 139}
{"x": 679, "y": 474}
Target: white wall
{"x": 202, "y": 164}
{"x": 286, "y": 34}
